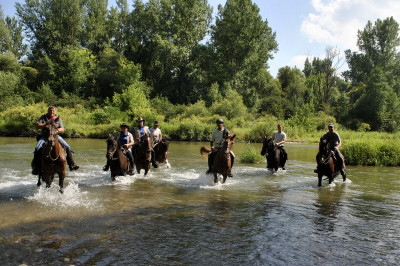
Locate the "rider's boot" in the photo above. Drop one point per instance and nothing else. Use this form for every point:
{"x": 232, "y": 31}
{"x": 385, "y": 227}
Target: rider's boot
{"x": 153, "y": 160}
{"x": 210, "y": 170}
{"x": 72, "y": 165}
{"x": 107, "y": 166}
{"x": 36, "y": 163}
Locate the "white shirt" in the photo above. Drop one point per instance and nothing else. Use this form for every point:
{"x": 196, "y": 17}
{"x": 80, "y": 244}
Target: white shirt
{"x": 156, "y": 134}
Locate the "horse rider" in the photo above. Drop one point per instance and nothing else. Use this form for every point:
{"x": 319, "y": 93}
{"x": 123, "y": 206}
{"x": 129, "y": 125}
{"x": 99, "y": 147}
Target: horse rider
{"x": 156, "y": 136}
{"x": 279, "y": 139}
{"x": 138, "y": 134}
{"x": 41, "y": 124}
{"x": 216, "y": 142}
{"x": 333, "y": 138}
{"x": 125, "y": 139}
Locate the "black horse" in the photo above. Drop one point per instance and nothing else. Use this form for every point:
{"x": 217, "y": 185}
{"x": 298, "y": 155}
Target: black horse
{"x": 326, "y": 163}
{"x": 275, "y": 157}
{"x": 161, "y": 152}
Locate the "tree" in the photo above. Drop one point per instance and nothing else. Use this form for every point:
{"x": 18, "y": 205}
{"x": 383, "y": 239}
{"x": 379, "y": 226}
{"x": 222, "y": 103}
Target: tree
{"x": 374, "y": 75}
{"x": 165, "y": 34}
{"x": 294, "y": 89}
{"x": 243, "y": 43}
{"x": 50, "y": 25}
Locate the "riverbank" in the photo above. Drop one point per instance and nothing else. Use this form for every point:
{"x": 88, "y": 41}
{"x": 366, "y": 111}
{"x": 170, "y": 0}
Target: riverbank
{"x": 359, "y": 148}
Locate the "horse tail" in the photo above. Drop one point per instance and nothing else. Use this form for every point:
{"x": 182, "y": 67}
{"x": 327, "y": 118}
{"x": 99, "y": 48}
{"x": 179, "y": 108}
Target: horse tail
{"x": 204, "y": 150}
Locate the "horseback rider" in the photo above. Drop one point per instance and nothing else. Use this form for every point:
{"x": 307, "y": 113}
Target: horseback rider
{"x": 333, "y": 138}
{"x": 216, "y": 142}
{"x": 45, "y": 119}
{"x": 279, "y": 138}
{"x": 138, "y": 133}
{"x": 125, "y": 139}
{"x": 156, "y": 136}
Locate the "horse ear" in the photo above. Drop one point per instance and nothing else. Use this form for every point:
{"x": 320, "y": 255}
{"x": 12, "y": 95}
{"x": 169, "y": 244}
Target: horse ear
{"x": 234, "y": 135}
{"x": 109, "y": 135}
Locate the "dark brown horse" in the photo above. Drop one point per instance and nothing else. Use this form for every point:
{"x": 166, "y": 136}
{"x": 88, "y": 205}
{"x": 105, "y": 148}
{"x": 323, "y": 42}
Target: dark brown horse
{"x": 222, "y": 162}
{"x": 119, "y": 163}
{"x": 142, "y": 156}
{"x": 326, "y": 163}
{"x": 273, "y": 154}
{"x": 161, "y": 152}
{"x": 53, "y": 158}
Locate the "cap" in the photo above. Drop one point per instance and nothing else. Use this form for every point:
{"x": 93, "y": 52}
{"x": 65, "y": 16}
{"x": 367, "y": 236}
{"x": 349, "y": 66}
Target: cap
{"x": 219, "y": 121}
{"x": 140, "y": 119}
{"x": 331, "y": 125}
{"x": 124, "y": 125}
{"x": 156, "y": 123}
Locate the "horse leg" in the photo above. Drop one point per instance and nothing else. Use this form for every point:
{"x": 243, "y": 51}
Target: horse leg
{"x": 39, "y": 182}
{"x": 215, "y": 178}
{"x": 224, "y": 178}
{"x": 319, "y": 179}
{"x": 61, "y": 176}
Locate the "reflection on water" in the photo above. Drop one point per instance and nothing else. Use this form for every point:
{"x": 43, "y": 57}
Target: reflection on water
{"x": 178, "y": 216}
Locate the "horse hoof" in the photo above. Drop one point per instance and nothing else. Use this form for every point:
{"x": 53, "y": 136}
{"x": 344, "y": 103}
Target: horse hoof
{"x": 39, "y": 184}
{"x": 61, "y": 190}
{"x": 168, "y": 165}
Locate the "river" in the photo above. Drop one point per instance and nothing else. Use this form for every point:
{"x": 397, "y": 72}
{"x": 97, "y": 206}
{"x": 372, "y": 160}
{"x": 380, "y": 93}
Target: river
{"x": 177, "y": 216}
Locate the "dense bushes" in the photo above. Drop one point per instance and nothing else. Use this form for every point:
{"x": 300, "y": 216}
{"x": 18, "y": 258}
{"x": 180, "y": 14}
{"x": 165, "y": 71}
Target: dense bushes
{"x": 367, "y": 153}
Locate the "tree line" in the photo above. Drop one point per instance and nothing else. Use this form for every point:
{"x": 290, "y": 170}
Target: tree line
{"x": 173, "y": 58}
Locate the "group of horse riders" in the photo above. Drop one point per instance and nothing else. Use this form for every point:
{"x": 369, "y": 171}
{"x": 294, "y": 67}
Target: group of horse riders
{"x": 130, "y": 142}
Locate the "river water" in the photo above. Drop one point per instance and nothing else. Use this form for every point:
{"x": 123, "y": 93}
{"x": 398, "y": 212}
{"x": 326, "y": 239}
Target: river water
{"x": 177, "y": 216}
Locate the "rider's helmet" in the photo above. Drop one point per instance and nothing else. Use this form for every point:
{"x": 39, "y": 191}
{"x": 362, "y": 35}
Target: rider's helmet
{"x": 220, "y": 121}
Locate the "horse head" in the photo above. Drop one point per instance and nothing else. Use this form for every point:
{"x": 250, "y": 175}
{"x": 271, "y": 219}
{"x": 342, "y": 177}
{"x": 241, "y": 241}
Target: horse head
{"x": 268, "y": 145}
{"x": 324, "y": 150}
{"x": 50, "y": 132}
{"x": 229, "y": 141}
{"x": 112, "y": 146}
{"x": 145, "y": 147}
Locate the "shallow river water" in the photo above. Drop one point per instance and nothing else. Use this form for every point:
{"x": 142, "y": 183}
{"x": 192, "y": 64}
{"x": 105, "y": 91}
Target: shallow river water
{"x": 177, "y": 216}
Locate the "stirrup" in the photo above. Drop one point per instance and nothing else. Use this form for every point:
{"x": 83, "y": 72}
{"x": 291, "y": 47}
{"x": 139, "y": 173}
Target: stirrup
{"x": 106, "y": 167}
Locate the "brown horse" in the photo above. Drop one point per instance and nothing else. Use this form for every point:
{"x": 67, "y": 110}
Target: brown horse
{"x": 160, "y": 152}
{"x": 222, "y": 162}
{"x": 326, "y": 163}
{"x": 142, "y": 156}
{"x": 119, "y": 163}
{"x": 273, "y": 154}
{"x": 53, "y": 158}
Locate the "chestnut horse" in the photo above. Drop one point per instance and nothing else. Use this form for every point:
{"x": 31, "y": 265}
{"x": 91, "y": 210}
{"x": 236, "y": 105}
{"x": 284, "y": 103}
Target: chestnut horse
{"x": 273, "y": 154}
{"x": 119, "y": 163}
{"x": 53, "y": 158}
{"x": 326, "y": 163}
{"x": 160, "y": 152}
{"x": 142, "y": 156}
{"x": 222, "y": 162}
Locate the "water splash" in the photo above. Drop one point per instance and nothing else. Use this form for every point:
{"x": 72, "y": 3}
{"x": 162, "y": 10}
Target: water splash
{"x": 71, "y": 198}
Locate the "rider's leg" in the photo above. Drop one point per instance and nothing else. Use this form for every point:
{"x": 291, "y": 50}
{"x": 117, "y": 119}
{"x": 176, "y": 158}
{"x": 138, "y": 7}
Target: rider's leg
{"x": 340, "y": 161}
{"x": 283, "y": 150}
{"x": 130, "y": 157}
{"x": 36, "y": 157}
{"x": 70, "y": 160}
{"x": 153, "y": 159}
{"x": 210, "y": 162}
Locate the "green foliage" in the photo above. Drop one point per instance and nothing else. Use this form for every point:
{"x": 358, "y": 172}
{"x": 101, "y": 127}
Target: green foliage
{"x": 231, "y": 106}
{"x": 251, "y": 155}
{"x": 371, "y": 153}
